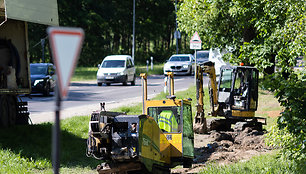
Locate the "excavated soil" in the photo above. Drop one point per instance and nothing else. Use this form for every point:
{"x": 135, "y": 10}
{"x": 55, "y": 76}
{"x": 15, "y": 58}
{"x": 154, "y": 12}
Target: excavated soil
{"x": 225, "y": 147}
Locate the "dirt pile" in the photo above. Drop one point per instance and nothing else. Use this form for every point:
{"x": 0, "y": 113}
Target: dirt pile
{"x": 226, "y": 147}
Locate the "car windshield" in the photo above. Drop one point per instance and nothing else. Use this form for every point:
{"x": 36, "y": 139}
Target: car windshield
{"x": 201, "y": 60}
{"x": 38, "y": 69}
{"x": 179, "y": 58}
{"x": 113, "y": 64}
{"x": 202, "y": 55}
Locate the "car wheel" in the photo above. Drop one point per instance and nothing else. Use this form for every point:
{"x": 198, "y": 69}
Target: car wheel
{"x": 133, "y": 82}
{"x": 107, "y": 84}
{"x": 190, "y": 71}
{"x": 99, "y": 84}
{"x": 125, "y": 83}
{"x": 47, "y": 90}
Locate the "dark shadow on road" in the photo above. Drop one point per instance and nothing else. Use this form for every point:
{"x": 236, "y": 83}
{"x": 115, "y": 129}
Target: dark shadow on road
{"x": 82, "y": 84}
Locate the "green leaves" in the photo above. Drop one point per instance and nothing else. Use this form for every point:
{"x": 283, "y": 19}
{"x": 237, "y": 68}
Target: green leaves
{"x": 262, "y": 33}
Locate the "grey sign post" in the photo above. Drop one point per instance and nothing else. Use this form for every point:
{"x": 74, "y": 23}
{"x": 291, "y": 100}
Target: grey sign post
{"x": 66, "y": 44}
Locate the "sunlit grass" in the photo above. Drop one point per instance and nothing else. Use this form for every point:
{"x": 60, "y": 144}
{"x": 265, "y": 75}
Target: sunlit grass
{"x": 263, "y": 164}
{"x": 90, "y": 73}
{"x": 157, "y": 69}
{"x": 84, "y": 73}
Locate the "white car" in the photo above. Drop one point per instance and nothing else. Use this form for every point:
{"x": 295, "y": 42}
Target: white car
{"x": 180, "y": 64}
{"x": 215, "y": 55}
{"x": 116, "y": 69}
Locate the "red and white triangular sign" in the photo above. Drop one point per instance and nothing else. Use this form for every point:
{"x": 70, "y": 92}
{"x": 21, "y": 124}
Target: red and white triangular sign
{"x": 195, "y": 38}
{"x": 66, "y": 44}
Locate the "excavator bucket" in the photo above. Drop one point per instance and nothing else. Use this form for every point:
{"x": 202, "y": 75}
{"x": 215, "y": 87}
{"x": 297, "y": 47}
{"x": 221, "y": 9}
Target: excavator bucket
{"x": 199, "y": 123}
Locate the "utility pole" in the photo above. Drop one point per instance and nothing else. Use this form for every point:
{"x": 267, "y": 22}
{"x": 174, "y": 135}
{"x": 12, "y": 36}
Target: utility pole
{"x": 133, "y": 44}
{"x": 176, "y": 33}
{"x": 42, "y": 42}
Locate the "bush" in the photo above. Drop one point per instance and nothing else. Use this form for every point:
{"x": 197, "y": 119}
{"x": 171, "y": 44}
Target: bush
{"x": 290, "y": 132}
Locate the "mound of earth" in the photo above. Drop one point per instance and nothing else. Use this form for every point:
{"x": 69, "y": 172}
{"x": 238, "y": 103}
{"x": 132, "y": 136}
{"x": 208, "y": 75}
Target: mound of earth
{"x": 225, "y": 147}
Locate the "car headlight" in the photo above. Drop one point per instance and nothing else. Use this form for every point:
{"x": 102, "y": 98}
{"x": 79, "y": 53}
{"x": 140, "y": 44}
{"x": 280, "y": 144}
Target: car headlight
{"x": 185, "y": 66}
{"x": 38, "y": 81}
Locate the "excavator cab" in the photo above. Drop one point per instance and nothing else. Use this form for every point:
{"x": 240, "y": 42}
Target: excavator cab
{"x": 174, "y": 118}
{"x": 238, "y": 91}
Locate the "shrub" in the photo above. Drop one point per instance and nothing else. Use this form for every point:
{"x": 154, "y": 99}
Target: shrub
{"x": 290, "y": 132}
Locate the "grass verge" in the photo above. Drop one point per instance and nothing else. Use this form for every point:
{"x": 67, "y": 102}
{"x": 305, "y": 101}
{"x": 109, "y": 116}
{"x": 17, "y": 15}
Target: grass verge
{"x": 269, "y": 164}
{"x": 27, "y": 149}
{"x": 90, "y": 73}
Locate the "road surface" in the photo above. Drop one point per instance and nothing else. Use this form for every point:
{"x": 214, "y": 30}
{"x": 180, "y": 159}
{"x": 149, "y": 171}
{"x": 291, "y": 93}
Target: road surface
{"x": 84, "y": 97}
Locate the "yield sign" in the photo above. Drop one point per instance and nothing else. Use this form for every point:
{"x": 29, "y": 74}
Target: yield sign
{"x": 66, "y": 46}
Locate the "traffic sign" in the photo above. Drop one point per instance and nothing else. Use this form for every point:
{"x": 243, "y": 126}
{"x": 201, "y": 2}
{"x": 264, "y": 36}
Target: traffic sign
{"x": 66, "y": 44}
{"x": 195, "y": 42}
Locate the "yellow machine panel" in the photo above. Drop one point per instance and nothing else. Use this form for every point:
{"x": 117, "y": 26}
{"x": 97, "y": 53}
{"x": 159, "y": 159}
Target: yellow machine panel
{"x": 175, "y": 139}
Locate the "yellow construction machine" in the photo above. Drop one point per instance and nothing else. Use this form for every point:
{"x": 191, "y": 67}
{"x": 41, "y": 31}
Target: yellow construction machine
{"x": 154, "y": 142}
{"x": 234, "y": 97}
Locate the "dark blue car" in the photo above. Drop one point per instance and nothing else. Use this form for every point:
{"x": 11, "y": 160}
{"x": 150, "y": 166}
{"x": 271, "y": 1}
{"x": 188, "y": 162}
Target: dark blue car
{"x": 42, "y": 78}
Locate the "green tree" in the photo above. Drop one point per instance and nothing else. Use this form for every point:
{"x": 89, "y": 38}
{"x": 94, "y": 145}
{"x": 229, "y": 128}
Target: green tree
{"x": 108, "y": 29}
{"x": 258, "y": 32}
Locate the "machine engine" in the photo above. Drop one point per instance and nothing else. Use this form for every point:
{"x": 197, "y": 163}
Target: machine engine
{"x": 113, "y": 136}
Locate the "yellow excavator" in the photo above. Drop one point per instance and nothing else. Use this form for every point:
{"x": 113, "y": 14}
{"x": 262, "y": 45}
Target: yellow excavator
{"x": 159, "y": 139}
{"x": 234, "y": 97}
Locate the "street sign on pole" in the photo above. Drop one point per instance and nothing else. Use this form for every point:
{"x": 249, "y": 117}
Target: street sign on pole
{"x": 195, "y": 42}
{"x": 66, "y": 46}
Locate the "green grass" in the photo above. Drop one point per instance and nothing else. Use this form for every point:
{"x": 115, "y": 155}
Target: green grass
{"x": 189, "y": 93}
{"x": 90, "y": 73}
{"x": 157, "y": 69}
{"x": 84, "y": 73}
{"x": 27, "y": 149}
{"x": 263, "y": 164}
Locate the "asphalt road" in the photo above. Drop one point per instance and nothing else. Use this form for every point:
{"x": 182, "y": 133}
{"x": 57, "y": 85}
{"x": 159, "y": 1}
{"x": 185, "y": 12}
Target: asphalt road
{"x": 84, "y": 97}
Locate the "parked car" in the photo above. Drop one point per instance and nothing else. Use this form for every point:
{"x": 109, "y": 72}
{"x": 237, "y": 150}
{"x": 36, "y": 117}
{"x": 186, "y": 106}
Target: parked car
{"x": 202, "y": 56}
{"x": 42, "y": 78}
{"x": 116, "y": 69}
{"x": 180, "y": 64}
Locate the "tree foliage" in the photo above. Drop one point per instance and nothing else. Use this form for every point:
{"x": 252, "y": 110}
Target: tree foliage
{"x": 258, "y": 32}
{"x": 108, "y": 27}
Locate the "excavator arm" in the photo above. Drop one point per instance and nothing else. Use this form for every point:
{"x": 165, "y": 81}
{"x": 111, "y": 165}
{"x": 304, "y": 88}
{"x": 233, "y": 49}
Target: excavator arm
{"x": 200, "y": 120}
{"x": 209, "y": 68}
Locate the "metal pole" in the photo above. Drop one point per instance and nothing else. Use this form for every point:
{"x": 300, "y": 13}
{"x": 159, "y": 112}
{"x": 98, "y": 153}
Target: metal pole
{"x": 56, "y": 135}
{"x": 42, "y": 42}
{"x": 133, "y": 44}
{"x": 176, "y": 28}
{"x": 196, "y": 66}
